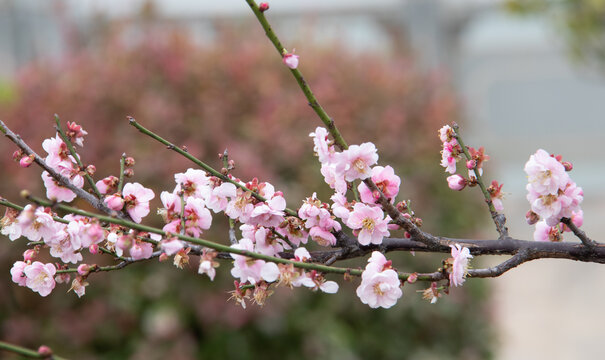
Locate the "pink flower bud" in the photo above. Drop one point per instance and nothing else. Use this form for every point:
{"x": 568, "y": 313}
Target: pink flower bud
{"x": 29, "y": 255}
{"x": 129, "y": 161}
{"x": 17, "y": 155}
{"x": 412, "y": 278}
{"x": 83, "y": 269}
{"x": 290, "y": 60}
{"x": 471, "y": 164}
{"x": 567, "y": 165}
{"x": 531, "y": 217}
{"x": 45, "y": 351}
{"x": 129, "y": 173}
{"x": 115, "y": 202}
{"x": 26, "y": 161}
{"x": 91, "y": 170}
{"x": 262, "y": 7}
{"x": 163, "y": 257}
{"x": 456, "y": 182}
{"x": 94, "y": 249}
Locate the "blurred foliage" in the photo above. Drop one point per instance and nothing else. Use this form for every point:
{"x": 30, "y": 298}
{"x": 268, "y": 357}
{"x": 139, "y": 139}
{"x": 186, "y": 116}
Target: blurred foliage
{"x": 236, "y": 94}
{"x": 582, "y": 22}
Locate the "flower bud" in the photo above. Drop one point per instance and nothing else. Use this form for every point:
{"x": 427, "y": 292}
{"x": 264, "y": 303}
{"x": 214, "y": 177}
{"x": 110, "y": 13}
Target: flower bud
{"x": 129, "y": 173}
{"x": 567, "y": 165}
{"x": 262, "y": 7}
{"x": 531, "y": 217}
{"x": 412, "y": 278}
{"x": 124, "y": 242}
{"x": 17, "y": 155}
{"x": 456, "y": 182}
{"x": 91, "y": 170}
{"x": 129, "y": 161}
{"x": 115, "y": 202}
{"x": 471, "y": 164}
{"x": 93, "y": 249}
{"x": 83, "y": 269}
{"x": 26, "y": 161}
{"x": 290, "y": 60}
{"x": 45, "y": 351}
{"x": 29, "y": 255}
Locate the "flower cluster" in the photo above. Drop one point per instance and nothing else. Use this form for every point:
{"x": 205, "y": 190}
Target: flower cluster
{"x": 380, "y": 284}
{"x": 552, "y": 194}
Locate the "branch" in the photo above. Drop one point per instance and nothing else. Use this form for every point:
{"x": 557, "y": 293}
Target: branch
{"x": 28, "y": 352}
{"x": 64, "y": 181}
{"x": 499, "y": 219}
{"x": 588, "y": 242}
{"x": 198, "y": 162}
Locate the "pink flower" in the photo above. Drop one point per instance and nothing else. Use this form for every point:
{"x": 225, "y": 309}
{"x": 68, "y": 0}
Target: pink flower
{"x": 198, "y": 218}
{"x": 322, "y": 147}
{"x": 107, "y": 185}
{"x": 334, "y": 175}
{"x": 141, "y": 250}
{"x": 193, "y": 182}
{"x": 386, "y": 180}
{"x": 245, "y": 268}
{"x": 218, "y": 198}
{"x": 207, "y": 264}
{"x": 456, "y": 182}
{"x": 57, "y": 151}
{"x": 172, "y": 206}
{"x": 171, "y": 246}
{"x": 75, "y": 133}
{"x": 370, "y": 223}
{"x": 17, "y": 273}
{"x": 302, "y": 254}
{"x": 241, "y": 206}
{"x": 136, "y": 199}
{"x": 379, "y": 287}
{"x": 459, "y": 265}
{"x": 270, "y": 213}
{"x": 341, "y": 208}
{"x": 114, "y": 202}
{"x": 544, "y": 232}
{"x": 40, "y": 277}
{"x": 545, "y": 174}
{"x": 290, "y": 60}
{"x": 78, "y": 285}
{"x": 446, "y": 134}
{"x": 54, "y": 191}
{"x": 359, "y": 159}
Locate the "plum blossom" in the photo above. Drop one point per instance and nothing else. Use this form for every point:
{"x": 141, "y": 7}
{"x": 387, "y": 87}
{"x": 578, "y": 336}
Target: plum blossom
{"x": 218, "y": 199}
{"x": 57, "y": 152}
{"x": 291, "y": 60}
{"x": 54, "y": 191}
{"x": 245, "y": 268}
{"x": 40, "y": 277}
{"x": 544, "y": 232}
{"x": 76, "y": 133}
{"x": 192, "y": 182}
{"x": 322, "y": 146}
{"x": 207, "y": 264}
{"x": 380, "y": 285}
{"x": 358, "y": 160}
{"x": 141, "y": 250}
{"x": 461, "y": 257}
{"x": 370, "y": 223}
{"x": 545, "y": 174}
{"x": 269, "y": 213}
{"x": 456, "y": 182}
{"x": 17, "y": 274}
{"x": 197, "y": 217}
{"x": 107, "y": 185}
{"x": 78, "y": 285}
{"x": 386, "y": 181}
{"x": 136, "y": 200}
{"x": 340, "y": 207}
{"x": 171, "y": 246}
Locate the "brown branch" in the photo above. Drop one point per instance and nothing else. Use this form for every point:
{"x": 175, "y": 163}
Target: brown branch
{"x": 64, "y": 181}
{"x": 588, "y": 242}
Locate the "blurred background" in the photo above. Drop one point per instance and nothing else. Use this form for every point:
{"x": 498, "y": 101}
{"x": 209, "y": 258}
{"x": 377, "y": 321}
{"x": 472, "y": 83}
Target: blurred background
{"x": 517, "y": 75}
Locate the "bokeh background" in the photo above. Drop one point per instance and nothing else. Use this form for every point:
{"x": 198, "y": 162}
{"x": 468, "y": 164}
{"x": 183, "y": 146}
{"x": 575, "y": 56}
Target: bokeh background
{"x": 517, "y": 75}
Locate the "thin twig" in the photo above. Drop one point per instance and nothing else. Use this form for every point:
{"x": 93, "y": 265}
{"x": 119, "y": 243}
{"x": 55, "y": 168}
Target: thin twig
{"x": 75, "y": 155}
{"x": 588, "y": 242}
{"x": 198, "y": 162}
{"x": 32, "y": 354}
{"x": 499, "y": 219}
